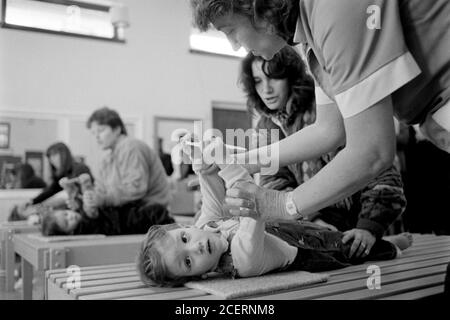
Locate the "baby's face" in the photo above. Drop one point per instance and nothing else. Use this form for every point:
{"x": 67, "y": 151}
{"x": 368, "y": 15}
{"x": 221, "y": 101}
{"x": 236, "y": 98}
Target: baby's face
{"x": 67, "y": 220}
{"x": 191, "y": 251}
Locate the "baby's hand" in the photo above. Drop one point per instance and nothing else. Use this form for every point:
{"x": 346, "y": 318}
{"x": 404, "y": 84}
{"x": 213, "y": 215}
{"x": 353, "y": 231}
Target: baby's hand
{"x": 33, "y": 220}
{"x": 219, "y": 153}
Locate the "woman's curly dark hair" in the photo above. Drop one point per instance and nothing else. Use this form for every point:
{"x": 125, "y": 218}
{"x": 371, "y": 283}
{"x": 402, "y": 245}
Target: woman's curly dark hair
{"x": 286, "y": 64}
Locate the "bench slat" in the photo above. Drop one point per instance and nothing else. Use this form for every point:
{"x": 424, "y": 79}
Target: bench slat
{"x": 168, "y": 295}
{"x": 130, "y": 293}
{"x": 351, "y": 286}
{"x": 418, "y": 294}
{"x": 61, "y": 281}
{"x": 93, "y": 283}
{"x": 390, "y": 263}
{"x": 389, "y": 289}
{"x": 362, "y": 274}
{"x": 56, "y": 272}
{"x": 83, "y": 273}
{"x": 107, "y": 288}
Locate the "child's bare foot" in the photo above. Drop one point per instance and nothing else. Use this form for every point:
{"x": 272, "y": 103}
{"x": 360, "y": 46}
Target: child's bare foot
{"x": 403, "y": 240}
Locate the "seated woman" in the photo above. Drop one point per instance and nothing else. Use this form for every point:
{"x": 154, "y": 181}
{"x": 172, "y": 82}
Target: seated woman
{"x": 62, "y": 164}
{"x": 130, "y": 173}
{"x": 244, "y": 246}
{"x": 282, "y": 93}
{"x": 109, "y": 220}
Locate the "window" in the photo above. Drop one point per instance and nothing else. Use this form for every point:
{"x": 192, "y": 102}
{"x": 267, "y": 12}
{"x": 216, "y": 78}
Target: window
{"x": 213, "y": 42}
{"x": 84, "y": 18}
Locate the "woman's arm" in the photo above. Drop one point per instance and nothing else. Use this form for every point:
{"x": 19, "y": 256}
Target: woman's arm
{"x": 325, "y": 135}
{"x": 370, "y": 149}
{"x": 51, "y": 190}
{"x": 212, "y": 188}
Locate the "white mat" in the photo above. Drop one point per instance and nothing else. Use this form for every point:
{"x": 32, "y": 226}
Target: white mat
{"x": 241, "y": 287}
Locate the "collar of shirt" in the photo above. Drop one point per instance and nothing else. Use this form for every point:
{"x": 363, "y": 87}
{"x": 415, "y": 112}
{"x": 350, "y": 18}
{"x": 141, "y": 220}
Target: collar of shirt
{"x": 114, "y": 150}
{"x": 299, "y": 35}
{"x": 120, "y": 140}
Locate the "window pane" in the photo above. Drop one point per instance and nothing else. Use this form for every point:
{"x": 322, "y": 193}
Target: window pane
{"x": 59, "y": 17}
{"x": 213, "y": 42}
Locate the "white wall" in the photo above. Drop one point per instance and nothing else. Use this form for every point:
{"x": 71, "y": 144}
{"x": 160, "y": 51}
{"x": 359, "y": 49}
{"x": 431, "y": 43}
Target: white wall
{"x": 152, "y": 74}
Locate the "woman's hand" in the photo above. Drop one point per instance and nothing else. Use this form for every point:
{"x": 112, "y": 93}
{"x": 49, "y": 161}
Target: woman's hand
{"x": 242, "y": 201}
{"x": 363, "y": 242}
{"x": 249, "y": 200}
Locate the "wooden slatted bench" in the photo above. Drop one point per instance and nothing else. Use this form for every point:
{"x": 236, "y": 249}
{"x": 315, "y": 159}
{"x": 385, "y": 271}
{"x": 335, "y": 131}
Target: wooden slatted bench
{"x": 42, "y": 255}
{"x": 418, "y": 273}
{"x": 7, "y": 256}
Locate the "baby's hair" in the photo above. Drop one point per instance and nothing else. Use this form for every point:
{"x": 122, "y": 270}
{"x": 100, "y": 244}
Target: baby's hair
{"x": 150, "y": 266}
{"x": 49, "y": 226}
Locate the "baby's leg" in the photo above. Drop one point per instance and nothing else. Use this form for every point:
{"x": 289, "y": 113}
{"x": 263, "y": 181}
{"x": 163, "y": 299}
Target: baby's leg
{"x": 403, "y": 241}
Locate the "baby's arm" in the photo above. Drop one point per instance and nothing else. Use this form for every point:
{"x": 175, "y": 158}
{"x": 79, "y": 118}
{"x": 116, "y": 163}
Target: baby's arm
{"x": 254, "y": 251}
{"x": 212, "y": 188}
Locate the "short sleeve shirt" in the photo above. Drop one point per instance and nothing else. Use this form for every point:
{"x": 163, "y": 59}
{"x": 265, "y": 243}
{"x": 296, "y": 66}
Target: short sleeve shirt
{"x": 363, "y": 51}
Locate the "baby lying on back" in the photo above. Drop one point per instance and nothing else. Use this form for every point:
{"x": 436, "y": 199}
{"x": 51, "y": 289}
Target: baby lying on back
{"x": 242, "y": 246}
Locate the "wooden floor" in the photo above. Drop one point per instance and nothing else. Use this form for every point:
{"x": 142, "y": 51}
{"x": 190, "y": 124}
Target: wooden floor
{"x": 418, "y": 273}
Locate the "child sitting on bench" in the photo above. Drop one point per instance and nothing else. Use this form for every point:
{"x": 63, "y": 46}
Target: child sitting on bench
{"x": 131, "y": 218}
{"x": 243, "y": 246}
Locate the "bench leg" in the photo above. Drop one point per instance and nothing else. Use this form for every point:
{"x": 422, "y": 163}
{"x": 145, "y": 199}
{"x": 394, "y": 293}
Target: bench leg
{"x": 10, "y": 262}
{"x": 27, "y": 279}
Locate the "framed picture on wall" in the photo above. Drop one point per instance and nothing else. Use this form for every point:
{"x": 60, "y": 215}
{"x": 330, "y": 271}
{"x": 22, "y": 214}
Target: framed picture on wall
{"x": 5, "y": 132}
{"x": 36, "y": 160}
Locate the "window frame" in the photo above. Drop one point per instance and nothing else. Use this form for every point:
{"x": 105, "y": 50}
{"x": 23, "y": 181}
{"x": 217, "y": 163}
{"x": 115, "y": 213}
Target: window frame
{"x": 92, "y": 6}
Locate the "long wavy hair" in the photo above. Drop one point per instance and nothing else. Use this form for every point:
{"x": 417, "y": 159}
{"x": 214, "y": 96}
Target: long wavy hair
{"x": 66, "y": 160}
{"x": 286, "y": 64}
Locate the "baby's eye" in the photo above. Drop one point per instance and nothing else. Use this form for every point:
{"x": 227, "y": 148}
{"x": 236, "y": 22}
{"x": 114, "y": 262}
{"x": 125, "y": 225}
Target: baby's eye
{"x": 184, "y": 237}
{"x": 188, "y": 262}
{"x": 257, "y": 80}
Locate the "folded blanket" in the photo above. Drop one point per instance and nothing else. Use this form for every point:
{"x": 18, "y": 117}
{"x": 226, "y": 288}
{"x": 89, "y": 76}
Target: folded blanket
{"x": 227, "y": 288}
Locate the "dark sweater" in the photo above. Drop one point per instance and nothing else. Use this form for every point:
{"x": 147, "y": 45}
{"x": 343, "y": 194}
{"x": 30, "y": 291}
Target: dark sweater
{"x": 54, "y": 187}
{"x": 34, "y": 183}
{"x": 131, "y": 218}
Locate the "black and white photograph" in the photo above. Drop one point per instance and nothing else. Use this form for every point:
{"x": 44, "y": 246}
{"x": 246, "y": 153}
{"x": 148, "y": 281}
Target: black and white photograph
{"x": 222, "y": 151}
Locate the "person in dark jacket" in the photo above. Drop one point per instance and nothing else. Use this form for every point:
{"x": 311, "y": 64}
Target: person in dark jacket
{"x": 62, "y": 165}
{"x": 28, "y": 179}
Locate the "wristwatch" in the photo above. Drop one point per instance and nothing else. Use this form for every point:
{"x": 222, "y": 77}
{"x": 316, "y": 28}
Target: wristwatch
{"x": 291, "y": 208}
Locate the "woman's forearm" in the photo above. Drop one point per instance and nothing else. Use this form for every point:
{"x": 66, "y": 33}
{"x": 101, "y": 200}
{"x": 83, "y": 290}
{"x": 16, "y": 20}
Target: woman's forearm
{"x": 307, "y": 144}
{"x": 370, "y": 149}
{"x": 346, "y": 174}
